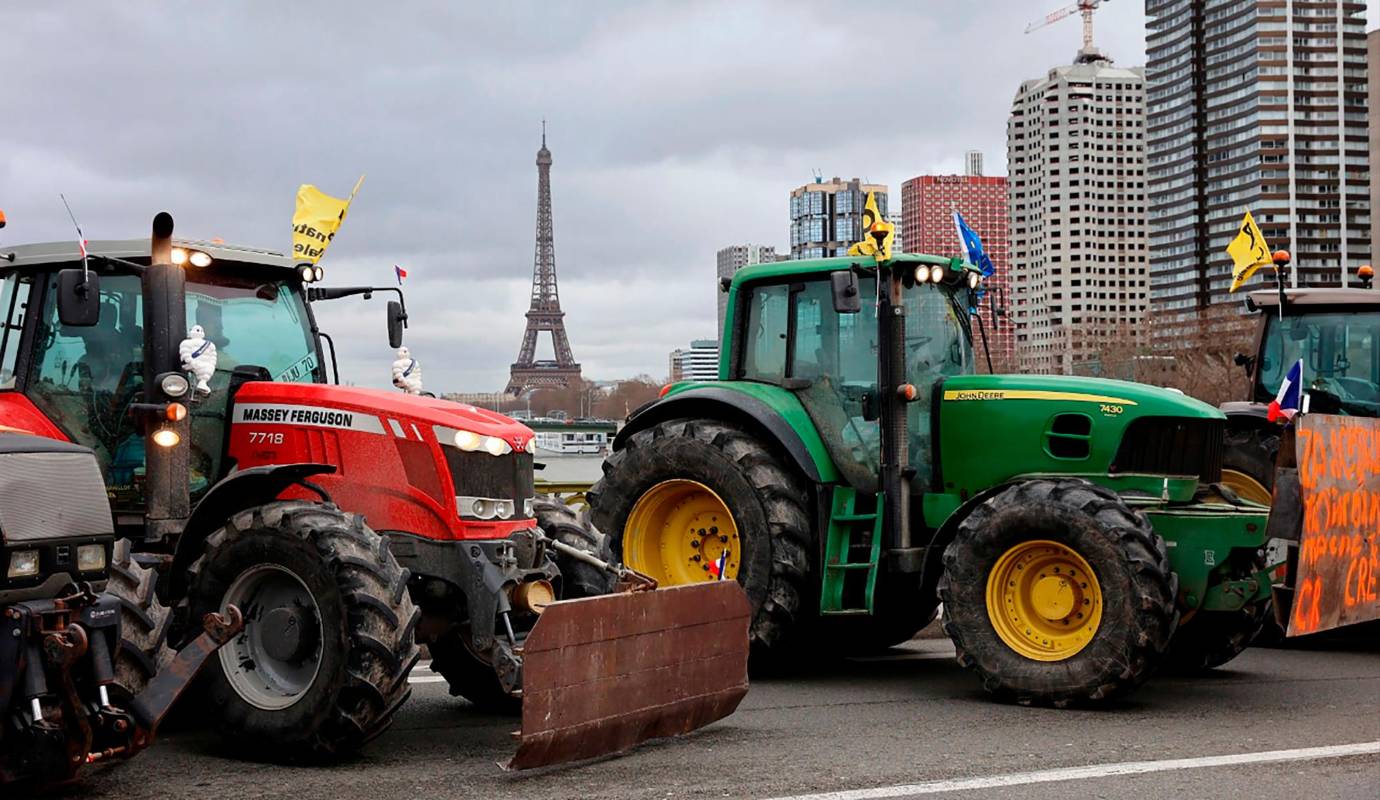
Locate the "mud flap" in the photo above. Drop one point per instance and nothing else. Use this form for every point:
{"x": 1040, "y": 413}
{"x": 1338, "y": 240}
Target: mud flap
{"x": 602, "y": 674}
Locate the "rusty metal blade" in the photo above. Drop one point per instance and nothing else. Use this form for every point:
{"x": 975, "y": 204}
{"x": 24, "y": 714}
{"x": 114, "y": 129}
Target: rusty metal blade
{"x": 602, "y": 674}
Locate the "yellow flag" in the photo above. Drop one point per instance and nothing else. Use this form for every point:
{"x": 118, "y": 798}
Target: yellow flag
{"x": 878, "y": 234}
{"x": 1249, "y": 251}
{"x": 316, "y": 220}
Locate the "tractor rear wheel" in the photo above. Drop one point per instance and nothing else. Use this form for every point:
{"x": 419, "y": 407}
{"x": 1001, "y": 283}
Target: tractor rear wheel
{"x": 469, "y": 676}
{"x": 1248, "y": 463}
{"x": 1056, "y": 592}
{"x": 143, "y": 624}
{"x": 321, "y": 667}
{"x": 682, "y": 496}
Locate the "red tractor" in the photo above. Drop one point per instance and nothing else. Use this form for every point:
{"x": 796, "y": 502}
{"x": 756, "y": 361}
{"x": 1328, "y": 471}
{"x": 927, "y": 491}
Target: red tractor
{"x": 256, "y": 494}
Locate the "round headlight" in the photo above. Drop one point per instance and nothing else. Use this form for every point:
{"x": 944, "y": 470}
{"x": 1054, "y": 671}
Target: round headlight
{"x": 531, "y": 445}
{"x": 174, "y": 385}
{"x": 504, "y": 509}
{"x": 199, "y": 259}
{"x": 922, "y": 274}
{"x": 468, "y": 441}
{"x": 480, "y": 508}
{"x": 973, "y": 280}
{"x": 495, "y": 446}
{"x": 318, "y": 273}
{"x": 307, "y": 272}
{"x": 179, "y": 256}
{"x": 937, "y": 273}
{"x": 166, "y": 437}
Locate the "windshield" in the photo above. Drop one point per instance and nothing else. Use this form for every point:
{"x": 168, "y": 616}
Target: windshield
{"x": 263, "y": 323}
{"x": 1340, "y": 352}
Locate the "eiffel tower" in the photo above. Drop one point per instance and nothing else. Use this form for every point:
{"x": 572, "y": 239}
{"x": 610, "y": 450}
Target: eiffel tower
{"x": 545, "y": 313}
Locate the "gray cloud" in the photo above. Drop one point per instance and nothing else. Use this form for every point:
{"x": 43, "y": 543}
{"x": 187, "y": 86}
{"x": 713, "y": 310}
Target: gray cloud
{"x": 677, "y": 128}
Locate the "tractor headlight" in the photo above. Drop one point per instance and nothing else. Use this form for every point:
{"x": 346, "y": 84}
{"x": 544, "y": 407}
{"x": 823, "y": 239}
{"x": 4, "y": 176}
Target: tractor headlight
{"x": 936, "y": 274}
{"x": 531, "y": 445}
{"x": 179, "y": 256}
{"x": 199, "y": 259}
{"x": 973, "y": 280}
{"x": 922, "y": 274}
{"x": 23, "y": 564}
{"x": 479, "y": 507}
{"x": 174, "y": 385}
{"x": 496, "y": 446}
{"x": 468, "y": 441}
{"x": 90, "y": 557}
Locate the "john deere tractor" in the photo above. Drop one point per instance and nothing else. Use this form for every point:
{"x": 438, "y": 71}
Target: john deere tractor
{"x": 851, "y": 471}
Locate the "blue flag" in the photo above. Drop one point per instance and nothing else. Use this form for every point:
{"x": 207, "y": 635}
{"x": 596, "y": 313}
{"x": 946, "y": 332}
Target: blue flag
{"x": 972, "y": 246}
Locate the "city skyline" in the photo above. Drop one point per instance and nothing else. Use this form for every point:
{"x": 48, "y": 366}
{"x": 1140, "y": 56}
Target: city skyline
{"x": 443, "y": 129}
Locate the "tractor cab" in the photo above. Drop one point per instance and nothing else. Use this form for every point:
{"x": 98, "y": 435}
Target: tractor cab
{"x": 817, "y": 335}
{"x": 1336, "y": 333}
{"x": 87, "y": 379}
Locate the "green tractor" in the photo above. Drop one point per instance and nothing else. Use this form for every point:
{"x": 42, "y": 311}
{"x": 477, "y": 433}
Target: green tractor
{"x": 852, "y": 471}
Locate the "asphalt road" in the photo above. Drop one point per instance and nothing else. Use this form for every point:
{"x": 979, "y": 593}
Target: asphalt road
{"x": 907, "y": 724}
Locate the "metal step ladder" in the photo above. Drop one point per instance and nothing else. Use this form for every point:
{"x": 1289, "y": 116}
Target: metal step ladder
{"x": 850, "y": 532}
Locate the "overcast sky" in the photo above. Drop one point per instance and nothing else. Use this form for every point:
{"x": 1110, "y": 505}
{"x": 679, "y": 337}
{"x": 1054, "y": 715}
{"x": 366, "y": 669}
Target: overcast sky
{"x": 676, "y": 127}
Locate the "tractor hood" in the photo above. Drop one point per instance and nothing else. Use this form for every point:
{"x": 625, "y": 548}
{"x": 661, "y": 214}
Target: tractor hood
{"x": 373, "y": 409}
{"x": 993, "y": 428}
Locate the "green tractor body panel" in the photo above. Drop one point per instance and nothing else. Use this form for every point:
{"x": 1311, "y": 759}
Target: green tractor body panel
{"x": 1201, "y": 540}
{"x": 994, "y": 428}
{"x": 780, "y": 401}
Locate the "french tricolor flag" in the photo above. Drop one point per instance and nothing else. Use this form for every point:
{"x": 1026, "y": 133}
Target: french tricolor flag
{"x": 401, "y": 273}
{"x": 716, "y": 567}
{"x": 1286, "y": 404}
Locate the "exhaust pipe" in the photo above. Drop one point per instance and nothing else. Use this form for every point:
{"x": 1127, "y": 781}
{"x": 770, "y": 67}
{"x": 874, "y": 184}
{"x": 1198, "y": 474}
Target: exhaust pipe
{"x": 165, "y": 325}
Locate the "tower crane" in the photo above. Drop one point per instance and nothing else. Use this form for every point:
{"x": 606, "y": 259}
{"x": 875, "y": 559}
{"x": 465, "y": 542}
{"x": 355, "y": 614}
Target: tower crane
{"x": 1085, "y": 7}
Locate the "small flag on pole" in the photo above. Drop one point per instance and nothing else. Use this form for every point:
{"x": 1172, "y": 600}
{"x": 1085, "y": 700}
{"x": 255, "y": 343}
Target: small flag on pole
{"x": 1249, "y": 251}
{"x": 716, "y": 568}
{"x": 971, "y": 244}
{"x": 1286, "y": 404}
{"x": 400, "y": 272}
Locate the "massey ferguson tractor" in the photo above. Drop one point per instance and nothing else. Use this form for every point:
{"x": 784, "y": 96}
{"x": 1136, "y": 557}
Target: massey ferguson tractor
{"x": 851, "y": 471}
{"x": 350, "y": 525}
{"x": 69, "y": 598}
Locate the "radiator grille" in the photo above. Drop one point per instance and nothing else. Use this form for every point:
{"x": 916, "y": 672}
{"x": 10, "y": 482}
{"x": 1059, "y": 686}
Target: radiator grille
{"x": 1172, "y": 446}
{"x": 478, "y": 474}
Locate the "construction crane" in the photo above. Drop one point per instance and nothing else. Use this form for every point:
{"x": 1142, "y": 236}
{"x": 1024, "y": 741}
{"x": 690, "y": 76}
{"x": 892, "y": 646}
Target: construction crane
{"x": 1086, "y": 7}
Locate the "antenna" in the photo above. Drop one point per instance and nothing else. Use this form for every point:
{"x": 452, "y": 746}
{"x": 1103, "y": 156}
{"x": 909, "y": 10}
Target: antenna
{"x": 81, "y": 238}
{"x": 1085, "y": 7}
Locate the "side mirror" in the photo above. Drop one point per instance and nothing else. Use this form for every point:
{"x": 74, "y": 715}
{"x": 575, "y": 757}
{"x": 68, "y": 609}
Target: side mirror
{"x": 845, "y": 285}
{"x": 79, "y": 298}
{"x": 397, "y": 320}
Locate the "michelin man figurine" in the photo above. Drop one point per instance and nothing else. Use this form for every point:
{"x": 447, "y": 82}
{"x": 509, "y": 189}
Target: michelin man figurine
{"x": 198, "y": 356}
{"x": 407, "y": 373}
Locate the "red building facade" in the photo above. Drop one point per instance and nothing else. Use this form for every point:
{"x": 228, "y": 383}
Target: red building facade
{"x": 928, "y": 203}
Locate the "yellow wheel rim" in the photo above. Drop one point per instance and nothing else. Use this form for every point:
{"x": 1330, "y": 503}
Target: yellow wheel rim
{"x": 677, "y": 532}
{"x": 1044, "y": 600}
{"x": 1246, "y": 487}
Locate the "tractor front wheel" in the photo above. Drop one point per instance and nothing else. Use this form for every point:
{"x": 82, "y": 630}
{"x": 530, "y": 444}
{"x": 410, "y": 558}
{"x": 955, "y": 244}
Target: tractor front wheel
{"x": 688, "y": 500}
{"x": 562, "y": 523}
{"x": 329, "y": 639}
{"x": 1056, "y": 592}
{"x": 143, "y": 624}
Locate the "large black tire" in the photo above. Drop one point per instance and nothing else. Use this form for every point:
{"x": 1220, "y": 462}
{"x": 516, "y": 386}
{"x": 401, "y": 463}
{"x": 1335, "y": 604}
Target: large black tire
{"x": 469, "y": 676}
{"x": 562, "y": 523}
{"x": 1209, "y": 639}
{"x": 365, "y": 646}
{"x": 144, "y": 621}
{"x": 903, "y": 608}
{"x": 1131, "y": 565}
{"x": 768, "y": 501}
{"x": 1252, "y": 452}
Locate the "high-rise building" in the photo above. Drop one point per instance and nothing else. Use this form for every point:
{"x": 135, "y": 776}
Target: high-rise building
{"x": 972, "y": 164}
{"x": 826, "y": 216}
{"x": 698, "y": 362}
{"x": 1260, "y": 105}
{"x": 928, "y": 203}
{"x": 1373, "y": 123}
{"x": 732, "y": 259}
{"x": 1076, "y": 198}
{"x": 898, "y": 243}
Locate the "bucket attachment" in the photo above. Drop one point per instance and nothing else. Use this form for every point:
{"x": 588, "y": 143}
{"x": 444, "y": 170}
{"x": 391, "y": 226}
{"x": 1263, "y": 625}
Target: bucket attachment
{"x": 602, "y": 674}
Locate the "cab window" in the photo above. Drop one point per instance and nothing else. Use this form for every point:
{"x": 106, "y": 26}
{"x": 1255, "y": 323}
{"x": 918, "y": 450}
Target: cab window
{"x": 14, "y": 301}
{"x": 764, "y": 342}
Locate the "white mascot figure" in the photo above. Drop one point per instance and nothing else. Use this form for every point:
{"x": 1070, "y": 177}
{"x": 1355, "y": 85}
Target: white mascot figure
{"x": 198, "y": 356}
{"x": 407, "y": 373}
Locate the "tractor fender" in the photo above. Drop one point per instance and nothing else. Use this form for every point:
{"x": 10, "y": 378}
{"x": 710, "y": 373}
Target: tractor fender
{"x": 1241, "y": 414}
{"x": 729, "y": 406}
{"x": 933, "y": 564}
{"x": 235, "y": 492}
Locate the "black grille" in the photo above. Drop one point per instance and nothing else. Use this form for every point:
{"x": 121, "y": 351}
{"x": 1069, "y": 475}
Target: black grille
{"x": 1172, "y": 446}
{"x": 478, "y": 474}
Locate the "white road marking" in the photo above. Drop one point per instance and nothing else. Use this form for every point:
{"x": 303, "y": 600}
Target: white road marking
{"x": 1094, "y": 771}
{"x": 422, "y": 674}
{"x": 904, "y": 657}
